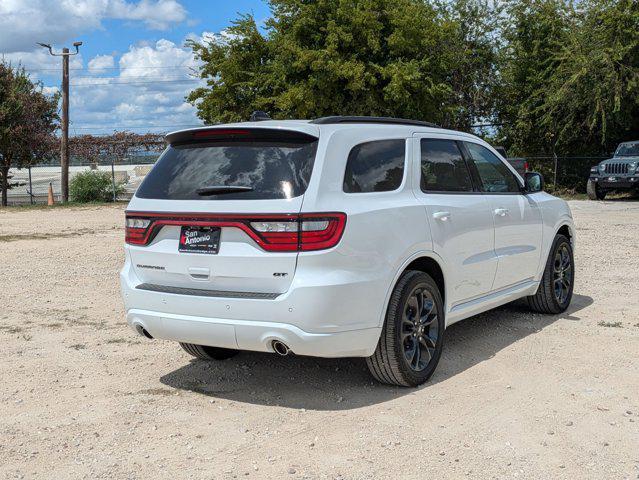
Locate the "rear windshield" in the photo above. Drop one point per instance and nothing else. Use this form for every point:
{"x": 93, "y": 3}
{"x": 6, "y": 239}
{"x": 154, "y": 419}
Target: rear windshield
{"x": 272, "y": 169}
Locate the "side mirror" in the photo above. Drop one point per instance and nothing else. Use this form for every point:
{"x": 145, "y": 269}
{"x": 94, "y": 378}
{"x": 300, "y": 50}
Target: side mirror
{"x": 534, "y": 182}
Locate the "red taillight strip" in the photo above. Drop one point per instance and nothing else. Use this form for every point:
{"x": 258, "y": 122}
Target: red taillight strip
{"x": 322, "y": 239}
{"x": 269, "y": 241}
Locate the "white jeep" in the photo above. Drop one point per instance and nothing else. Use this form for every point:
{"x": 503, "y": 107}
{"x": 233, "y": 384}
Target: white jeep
{"x": 337, "y": 237}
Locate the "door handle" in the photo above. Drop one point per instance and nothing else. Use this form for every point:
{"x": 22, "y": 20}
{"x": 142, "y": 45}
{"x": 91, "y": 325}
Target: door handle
{"x": 443, "y": 216}
{"x": 501, "y": 212}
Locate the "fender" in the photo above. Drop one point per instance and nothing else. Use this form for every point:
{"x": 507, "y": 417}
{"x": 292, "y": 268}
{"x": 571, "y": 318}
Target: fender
{"x": 399, "y": 270}
{"x": 564, "y": 220}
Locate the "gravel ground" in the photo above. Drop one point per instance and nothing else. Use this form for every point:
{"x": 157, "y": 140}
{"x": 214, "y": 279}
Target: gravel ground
{"x": 515, "y": 395}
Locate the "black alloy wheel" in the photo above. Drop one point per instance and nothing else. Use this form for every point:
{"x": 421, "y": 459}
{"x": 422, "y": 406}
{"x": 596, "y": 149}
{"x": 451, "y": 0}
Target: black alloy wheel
{"x": 420, "y": 329}
{"x": 562, "y": 274}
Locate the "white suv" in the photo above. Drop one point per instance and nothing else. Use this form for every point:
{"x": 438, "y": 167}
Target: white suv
{"x": 337, "y": 237}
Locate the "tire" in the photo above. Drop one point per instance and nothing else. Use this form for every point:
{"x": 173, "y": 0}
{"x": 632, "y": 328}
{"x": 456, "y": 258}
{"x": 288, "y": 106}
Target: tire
{"x": 208, "y": 353}
{"x": 594, "y": 192}
{"x": 548, "y": 298}
{"x": 392, "y": 362}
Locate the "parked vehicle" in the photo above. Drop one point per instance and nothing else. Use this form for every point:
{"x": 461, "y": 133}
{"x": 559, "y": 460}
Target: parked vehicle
{"x": 337, "y": 237}
{"x": 519, "y": 164}
{"x": 619, "y": 173}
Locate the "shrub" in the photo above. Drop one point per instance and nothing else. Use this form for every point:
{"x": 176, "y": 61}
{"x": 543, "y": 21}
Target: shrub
{"x": 93, "y": 186}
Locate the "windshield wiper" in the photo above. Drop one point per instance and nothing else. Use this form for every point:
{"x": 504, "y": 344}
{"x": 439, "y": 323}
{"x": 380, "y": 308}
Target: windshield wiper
{"x": 222, "y": 189}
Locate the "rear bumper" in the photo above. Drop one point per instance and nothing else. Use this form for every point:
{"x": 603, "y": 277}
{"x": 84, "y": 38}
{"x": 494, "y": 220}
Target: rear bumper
{"x": 337, "y": 318}
{"x": 253, "y": 335}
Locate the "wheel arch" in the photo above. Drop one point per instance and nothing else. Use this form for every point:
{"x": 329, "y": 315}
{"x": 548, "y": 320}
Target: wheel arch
{"x": 430, "y": 266}
{"x": 565, "y": 230}
{"x": 427, "y": 262}
{"x": 568, "y": 231}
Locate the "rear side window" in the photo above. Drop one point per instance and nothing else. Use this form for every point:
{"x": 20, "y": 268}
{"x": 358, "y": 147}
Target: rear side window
{"x": 266, "y": 168}
{"x": 443, "y": 167}
{"x": 376, "y": 166}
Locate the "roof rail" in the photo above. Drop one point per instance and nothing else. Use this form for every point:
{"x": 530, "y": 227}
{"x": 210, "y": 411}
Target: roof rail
{"x": 389, "y": 120}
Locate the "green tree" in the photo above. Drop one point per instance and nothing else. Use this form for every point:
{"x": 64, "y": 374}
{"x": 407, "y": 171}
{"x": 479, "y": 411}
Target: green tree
{"x": 475, "y": 76}
{"x": 28, "y": 120}
{"x": 594, "y": 90}
{"x": 407, "y": 58}
{"x": 570, "y": 76}
{"x": 235, "y": 66}
{"x": 533, "y": 34}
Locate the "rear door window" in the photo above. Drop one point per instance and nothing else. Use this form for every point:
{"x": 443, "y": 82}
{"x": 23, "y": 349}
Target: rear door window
{"x": 376, "y": 166}
{"x": 443, "y": 167}
{"x": 266, "y": 166}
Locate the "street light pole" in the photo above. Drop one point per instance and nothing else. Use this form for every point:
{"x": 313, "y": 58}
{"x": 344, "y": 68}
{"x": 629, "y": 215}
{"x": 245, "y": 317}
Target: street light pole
{"x": 64, "y": 143}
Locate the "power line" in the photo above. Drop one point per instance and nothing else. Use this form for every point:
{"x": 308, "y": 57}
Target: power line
{"x": 136, "y": 79}
{"x": 98, "y": 84}
{"x": 111, "y": 68}
{"x": 169, "y": 76}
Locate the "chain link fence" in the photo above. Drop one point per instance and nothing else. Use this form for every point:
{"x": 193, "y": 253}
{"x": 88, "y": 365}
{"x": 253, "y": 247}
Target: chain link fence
{"x": 30, "y": 185}
{"x": 564, "y": 173}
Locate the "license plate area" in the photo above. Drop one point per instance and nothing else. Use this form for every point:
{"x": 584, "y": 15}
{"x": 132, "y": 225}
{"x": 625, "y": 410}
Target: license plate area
{"x": 199, "y": 240}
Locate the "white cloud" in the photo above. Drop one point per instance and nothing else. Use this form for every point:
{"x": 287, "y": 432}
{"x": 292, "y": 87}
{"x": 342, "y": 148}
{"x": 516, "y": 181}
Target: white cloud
{"x": 25, "y": 22}
{"x": 210, "y": 37}
{"x": 152, "y": 61}
{"x": 147, "y": 93}
{"x": 100, "y": 63}
{"x": 156, "y": 14}
{"x": 50, "y": 90}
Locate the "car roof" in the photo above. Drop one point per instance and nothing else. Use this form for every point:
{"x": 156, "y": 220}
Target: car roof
{"x": 384, "y": 125}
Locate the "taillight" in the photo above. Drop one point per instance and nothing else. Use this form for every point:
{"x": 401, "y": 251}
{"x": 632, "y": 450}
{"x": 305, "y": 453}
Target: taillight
{"x": 274, "y": 233}
{"x": 136, "y": 230}
{"x": 318, "y": 232}
{"x": 525, "y": 166}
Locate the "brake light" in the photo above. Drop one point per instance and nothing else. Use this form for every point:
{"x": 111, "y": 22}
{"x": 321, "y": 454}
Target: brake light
{"x": 525, "y": 166}
{"x": 274, "y": 233}
{"x": 218, "y": 132}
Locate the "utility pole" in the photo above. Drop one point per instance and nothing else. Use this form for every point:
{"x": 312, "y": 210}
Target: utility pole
{"x": 64, "y": 142}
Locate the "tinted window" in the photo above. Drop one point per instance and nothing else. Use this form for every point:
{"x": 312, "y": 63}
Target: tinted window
{"x": 375, "y": 166}
{"x": 272, "y": 169}
{"x": 494, "y": 175}
{"x": 628, "y": 150}
{"x": 443, "y": 167}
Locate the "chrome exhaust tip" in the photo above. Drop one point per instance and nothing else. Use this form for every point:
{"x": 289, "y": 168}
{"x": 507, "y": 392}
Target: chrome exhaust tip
{"x": 143, "y": 331}
{"x": 280, "y": 348}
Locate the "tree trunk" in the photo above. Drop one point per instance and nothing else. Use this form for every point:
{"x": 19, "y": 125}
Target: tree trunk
{"x": 5, "y": 184}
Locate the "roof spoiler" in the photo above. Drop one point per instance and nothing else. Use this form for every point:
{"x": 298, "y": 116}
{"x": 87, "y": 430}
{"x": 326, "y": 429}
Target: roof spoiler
{"x": 238, "y": 133}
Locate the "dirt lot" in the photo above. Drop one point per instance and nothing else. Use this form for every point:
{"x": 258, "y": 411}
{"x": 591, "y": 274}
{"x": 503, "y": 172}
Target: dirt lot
{"x": 516, "y": 394}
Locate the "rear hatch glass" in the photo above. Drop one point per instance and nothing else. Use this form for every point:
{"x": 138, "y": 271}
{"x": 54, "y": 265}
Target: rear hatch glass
{"x": 265, "y": 165}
